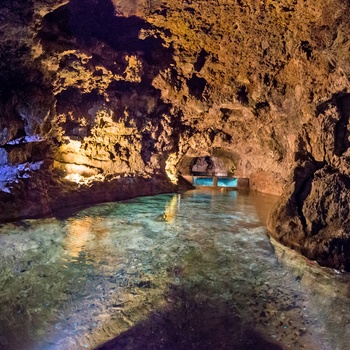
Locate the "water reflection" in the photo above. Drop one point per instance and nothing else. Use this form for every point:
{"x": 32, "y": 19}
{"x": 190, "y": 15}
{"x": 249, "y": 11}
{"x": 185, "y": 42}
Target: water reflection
{"x": 79, "y": 233}
{"x": 190, "y": 271}
{"x": 171, "y": 207}
{"x": 87, "y": 240}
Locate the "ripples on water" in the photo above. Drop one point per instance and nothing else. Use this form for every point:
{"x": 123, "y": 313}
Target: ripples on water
{"x": 190, "y": 271}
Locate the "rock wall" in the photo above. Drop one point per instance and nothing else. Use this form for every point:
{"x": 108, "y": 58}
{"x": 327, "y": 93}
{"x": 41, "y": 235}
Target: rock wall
{"x": 79, "y": 108}
{"x": 103, "y": 92}
{"x": 312, "y": 216}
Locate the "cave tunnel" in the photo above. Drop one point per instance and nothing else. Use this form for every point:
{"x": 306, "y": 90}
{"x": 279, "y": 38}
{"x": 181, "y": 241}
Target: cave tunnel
{"x": 215, "y": 170}
{"x": 217, "y": 162}
{"x": 106, "y": 106}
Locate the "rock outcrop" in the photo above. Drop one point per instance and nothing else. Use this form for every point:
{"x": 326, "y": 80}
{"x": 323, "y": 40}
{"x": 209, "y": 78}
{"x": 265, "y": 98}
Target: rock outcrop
{"x": 312, "y": 216}
{"x": 100, "y": 95}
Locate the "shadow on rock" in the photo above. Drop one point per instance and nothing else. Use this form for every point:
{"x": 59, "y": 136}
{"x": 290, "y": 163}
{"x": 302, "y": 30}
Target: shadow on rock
{"x": 90, "y": 23}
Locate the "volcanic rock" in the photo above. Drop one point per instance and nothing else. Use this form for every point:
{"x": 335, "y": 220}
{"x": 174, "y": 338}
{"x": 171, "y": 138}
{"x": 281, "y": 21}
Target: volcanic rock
{"x": 96, "y": 93}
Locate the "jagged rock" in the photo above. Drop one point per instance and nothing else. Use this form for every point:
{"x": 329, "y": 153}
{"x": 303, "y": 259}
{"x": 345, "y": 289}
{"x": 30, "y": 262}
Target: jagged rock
{"x": 312, "y": 215}
{"x": 132, "y": 89}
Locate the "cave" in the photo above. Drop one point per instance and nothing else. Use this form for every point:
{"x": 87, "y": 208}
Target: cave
{"x": 174, "y": 175}
{"x": 216, "y": 171}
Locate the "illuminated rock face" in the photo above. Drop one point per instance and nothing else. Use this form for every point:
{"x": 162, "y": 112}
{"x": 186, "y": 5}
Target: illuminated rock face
{"x": 79, "y": 99}
{"x": 120, "y": 92}
{"x": 312, "y": 216}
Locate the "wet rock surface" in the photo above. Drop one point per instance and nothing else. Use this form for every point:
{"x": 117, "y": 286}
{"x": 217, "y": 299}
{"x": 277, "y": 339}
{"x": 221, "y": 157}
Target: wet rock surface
{"x": 98, "y": 90}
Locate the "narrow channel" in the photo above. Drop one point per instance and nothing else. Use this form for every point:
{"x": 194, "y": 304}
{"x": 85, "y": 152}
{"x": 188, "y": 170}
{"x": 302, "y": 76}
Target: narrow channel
{"x": 175, "y": 271}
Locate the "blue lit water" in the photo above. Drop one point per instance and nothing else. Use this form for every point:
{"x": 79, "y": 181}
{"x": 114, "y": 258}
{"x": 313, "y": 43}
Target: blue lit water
{"x": 189, "y": 271}
{"x": 209, "y": 181}
{"x": 227, "y": 182}
{"x": 203, "y": 181}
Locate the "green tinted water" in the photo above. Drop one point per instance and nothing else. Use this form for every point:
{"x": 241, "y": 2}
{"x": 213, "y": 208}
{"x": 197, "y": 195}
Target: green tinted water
{"x": 190, "y": 271}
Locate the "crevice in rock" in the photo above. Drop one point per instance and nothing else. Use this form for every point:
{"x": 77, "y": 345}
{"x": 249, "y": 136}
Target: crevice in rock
{"x": 201, "y": 59}
{"x": 266, "y": 80}
{"x": 196, "y": 86}
{"x": 20, "y": 133}
{"x": 262, "y": 106}
{"x": 226, "y": 114}
{"x": 242, "y": 95}
{"x": 122, "y": 152}
{"x": 306, "y": 48}
{"x": 148, "y": 146}
{"x": 191, "y": 10}
{"x": 300, "y": 196}
{"x": 175, "y": 80}
{"x": 341, "y": 132}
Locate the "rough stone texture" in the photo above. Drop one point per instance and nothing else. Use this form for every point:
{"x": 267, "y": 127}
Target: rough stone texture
{"x": 43, "y": 195}
{"x": 133, "y": 89}
{"x": 312, "y": 216}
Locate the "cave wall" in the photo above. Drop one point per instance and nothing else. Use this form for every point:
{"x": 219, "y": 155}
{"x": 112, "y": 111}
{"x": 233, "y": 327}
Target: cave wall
{"x": 312, "y": 215}
{"x": 117, "y": 92}
{"x": 79, "y": 108}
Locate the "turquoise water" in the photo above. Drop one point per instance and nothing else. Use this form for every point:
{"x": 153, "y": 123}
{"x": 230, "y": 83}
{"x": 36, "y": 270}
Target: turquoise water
{"x": 189, "y": 271}
{"x": 209, "y": 181}
{"x": 203, "y": 181}
{"x": 227, "y": 182}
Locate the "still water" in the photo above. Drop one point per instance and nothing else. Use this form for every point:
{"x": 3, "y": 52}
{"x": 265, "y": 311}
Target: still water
{"x": 189, "y": 271}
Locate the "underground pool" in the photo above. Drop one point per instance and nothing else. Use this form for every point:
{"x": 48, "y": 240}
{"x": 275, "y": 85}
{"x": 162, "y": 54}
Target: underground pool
{"x": 174, "y": 271}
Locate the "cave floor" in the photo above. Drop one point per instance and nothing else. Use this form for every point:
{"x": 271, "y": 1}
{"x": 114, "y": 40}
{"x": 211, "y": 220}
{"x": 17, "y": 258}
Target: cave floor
{"x": 175, "y": 271}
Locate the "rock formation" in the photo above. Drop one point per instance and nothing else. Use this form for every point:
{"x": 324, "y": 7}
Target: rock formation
{"x": 312, "y": 216}
{"x": 100, "y": 99}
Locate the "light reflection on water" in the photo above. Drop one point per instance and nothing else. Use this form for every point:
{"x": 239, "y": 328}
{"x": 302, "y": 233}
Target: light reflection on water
{"x": 76, "y": 283}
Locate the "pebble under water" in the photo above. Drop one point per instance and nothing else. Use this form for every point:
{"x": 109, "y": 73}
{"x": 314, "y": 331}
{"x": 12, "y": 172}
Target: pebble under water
{"x": 189, "y": 271}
